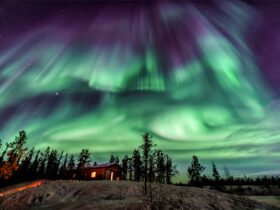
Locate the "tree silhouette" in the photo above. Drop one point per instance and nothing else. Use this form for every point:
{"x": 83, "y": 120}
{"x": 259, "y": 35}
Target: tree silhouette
{"x": 195, "y": 170}
{"x": 228, "y": 177}
{"x": 15, "y": 153}
{"x": 42, "y": 162}
{"x": 227, "y": 172}
{"x": 52, "y": 165}
{"x": 215, "y": 172}
{"x": 170, "y": 169}
{"x": 112, "y": 159}
{"x": 34, "y": 166}
{"x": 137, "y": 165}
{"x": 70, "y": 167}
{"x": 71, "y": 164}
{"x": 83, "y": 161}
{"x": 59, "y": 163}
{"x": 160, "y": 166}
{"x": 125, "y": 167}
{"x": 152, "y": 166}
{"x": 26, "y": 165}
{"x": 130, "y": 168}
{"x": 146, "y": 152}
{"x": 17, "y": 149}
{"x": 117, "y": 160}
{"x": 3, "y": 154}
{"x": 62, "y": 169}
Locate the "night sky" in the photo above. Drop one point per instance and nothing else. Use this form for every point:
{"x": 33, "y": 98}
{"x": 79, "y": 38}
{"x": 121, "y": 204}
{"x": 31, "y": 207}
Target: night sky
{"x": 203, "y": 77}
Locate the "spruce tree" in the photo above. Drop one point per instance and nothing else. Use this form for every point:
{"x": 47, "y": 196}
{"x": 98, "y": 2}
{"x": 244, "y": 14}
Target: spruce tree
{"x": 35, "y": 166}
{"x": 227, "y": 172}
{"x": 152, "y": 166}
{"x": 228, "y": 177}
{"x": 112, "y": 159}
{"x": 136, "y": 165}
{"x": 125, "y": 167}
{"x": 62, "y": 169}
{"x": 215, "y": 172}
{"x": 130, "y": 169}
{"x": 26, "y": 165}
{"x": 146, "y": 147}
{"x": 117, "y": 160}
{"x": 3, "y": 154}
{"x": 170, "y": 169}
{"x": 42, "y": 163}
{"x": 83, "y": 161}
{"x": 15, "y": 153}
{"x": 195, "y": 170}
{"x": 17, "y": 149}
{"x": 52, "y": 165}
{"x": 71, "y": 164}
{"x": 160, "y": 166}
{"x": 59, "y": 163}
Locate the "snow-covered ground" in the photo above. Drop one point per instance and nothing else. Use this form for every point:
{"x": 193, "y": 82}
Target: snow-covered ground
{"x": 121, "y": 195}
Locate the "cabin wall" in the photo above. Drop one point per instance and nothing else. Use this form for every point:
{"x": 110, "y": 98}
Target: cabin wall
{"x": 103, "y": 173}
{"x": 99, "y": 174}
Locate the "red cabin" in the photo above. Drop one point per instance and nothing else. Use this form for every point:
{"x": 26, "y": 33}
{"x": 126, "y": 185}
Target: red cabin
{"x": 108, "y": 171}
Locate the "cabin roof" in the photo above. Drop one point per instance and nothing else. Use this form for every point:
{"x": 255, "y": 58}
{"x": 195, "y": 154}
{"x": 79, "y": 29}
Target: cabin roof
{"x": 105, "y": 165}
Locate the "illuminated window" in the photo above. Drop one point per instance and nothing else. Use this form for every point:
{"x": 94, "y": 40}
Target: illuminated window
{"x": 93, "y": 174}
{"x": 112, "y": 176}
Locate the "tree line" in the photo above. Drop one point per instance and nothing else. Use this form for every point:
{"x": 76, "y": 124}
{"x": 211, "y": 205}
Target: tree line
{"x": 195, "y": 170}
{"x": 146, "y": 163}
{"x": 20, "y": 164}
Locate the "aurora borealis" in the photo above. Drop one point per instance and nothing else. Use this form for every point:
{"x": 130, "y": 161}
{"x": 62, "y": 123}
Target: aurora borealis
{"x": 97, "y": 75}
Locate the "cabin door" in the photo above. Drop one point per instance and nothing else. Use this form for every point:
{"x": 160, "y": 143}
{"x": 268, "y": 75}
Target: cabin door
{"x": 107, "y": 175}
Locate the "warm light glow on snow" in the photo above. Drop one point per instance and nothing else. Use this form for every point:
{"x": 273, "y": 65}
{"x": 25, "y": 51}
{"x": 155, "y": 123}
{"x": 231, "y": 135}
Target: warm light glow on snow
{"x": 21, "y": 188}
